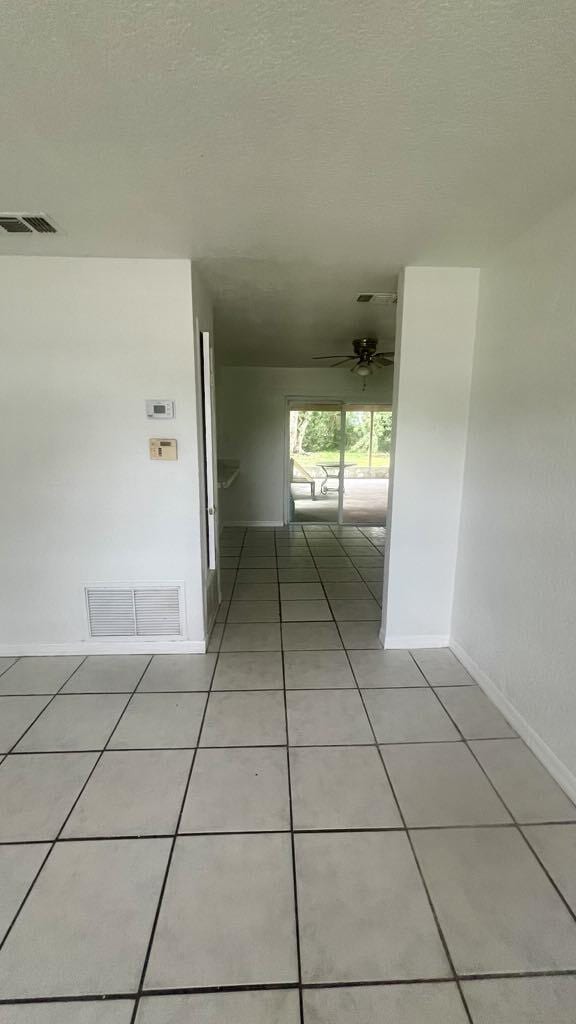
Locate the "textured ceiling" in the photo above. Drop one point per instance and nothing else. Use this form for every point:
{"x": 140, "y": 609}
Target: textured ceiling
{"x": 302, "y": 151}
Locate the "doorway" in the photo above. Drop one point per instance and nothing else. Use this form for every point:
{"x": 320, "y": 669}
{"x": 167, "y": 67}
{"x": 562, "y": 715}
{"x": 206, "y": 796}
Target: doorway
{"x": 337, "y": 463}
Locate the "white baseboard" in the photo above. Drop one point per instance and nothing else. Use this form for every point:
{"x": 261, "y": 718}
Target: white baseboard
{"x": 31, "y": 650}
{"x": 256, "y": 522}
{"x": 415, "y": 642}
{"x": 558, "y": 770}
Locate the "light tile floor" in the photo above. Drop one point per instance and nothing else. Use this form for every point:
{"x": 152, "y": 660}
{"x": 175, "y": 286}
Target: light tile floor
{"x": 295, "y": 828}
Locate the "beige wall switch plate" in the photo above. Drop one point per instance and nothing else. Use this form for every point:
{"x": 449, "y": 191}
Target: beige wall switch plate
{"x": 163, "y": 448}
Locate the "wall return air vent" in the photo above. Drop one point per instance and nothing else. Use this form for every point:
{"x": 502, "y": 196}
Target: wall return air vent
{"x": 26, "y": 224}
{"x": 134, "y": 611}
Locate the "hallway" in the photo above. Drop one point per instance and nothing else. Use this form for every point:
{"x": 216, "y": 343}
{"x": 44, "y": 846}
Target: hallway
{"x": 329, "y": 831}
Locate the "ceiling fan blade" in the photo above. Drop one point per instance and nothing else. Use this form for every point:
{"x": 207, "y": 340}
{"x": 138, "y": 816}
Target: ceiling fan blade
{"x": 346, "y": 360}
{"x": 384, "y": 355}
{"x": 382, "y": 360}
{"x": 339, "y": 356}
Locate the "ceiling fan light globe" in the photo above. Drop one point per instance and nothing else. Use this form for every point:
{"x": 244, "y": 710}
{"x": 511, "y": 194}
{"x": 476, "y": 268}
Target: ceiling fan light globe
{"x": 363, "y": 371}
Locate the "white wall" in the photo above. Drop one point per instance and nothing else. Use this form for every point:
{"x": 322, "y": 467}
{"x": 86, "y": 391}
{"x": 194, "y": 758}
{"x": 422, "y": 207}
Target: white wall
{"x": 515, "y": 603}
{"x": 251, "y": 428}
{"x": 435, "y": 338}
{"x": 83, "y": 343}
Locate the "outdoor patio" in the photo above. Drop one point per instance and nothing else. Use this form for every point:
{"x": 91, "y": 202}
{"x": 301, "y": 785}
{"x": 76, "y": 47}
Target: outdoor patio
{"x": 365, "y": 503}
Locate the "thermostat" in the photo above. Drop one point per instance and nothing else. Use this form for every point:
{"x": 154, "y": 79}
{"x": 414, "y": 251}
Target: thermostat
{"x": 164, "y": 448}
{"x": 160, "y": 408}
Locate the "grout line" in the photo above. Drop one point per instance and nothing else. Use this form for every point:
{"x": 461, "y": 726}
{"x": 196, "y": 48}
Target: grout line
{"x": 47, "y": 705}
{"x": 174, "y": 838}
{"x": 443, "y": 940}
{"x": 515, "y": 823}
{"x": 281, "y": 987}
{"x": 292, "y": 842}
{"x": 70, "y": 812}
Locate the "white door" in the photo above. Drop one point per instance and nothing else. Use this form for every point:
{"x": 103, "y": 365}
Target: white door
{"x": 210, "y": 476}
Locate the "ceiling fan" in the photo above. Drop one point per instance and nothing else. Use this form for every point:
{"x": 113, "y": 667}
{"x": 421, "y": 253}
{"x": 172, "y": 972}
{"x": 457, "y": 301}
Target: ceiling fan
{"x": 365, "y": 357}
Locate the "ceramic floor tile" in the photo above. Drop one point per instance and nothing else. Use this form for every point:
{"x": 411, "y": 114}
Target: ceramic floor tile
{"x": 385, "y": 669}
{"x": 383, "y": 928}
{"x": 408, "y": 716}
{"x": 376, "y": 589}
{"x": 132, "y": 793}
{"x": 339, "y": 574}
{"x": 301, "y": 592}
{"x": 238, "y": 790}
{"x": 305, "y": 611}
{"x": 108, "y": 674}
{"x": 227, "y": 917}
{"x": 254, "y": 611}
{"x": 5, "y": 664}
{"x": 302, "y": 575}
{"x": 18, "y": 867}
{"x": 332, "y": 562}
{"x": 353, "y": 591}
{"x": 178, "y": 672}
{"x": 317, "y": 669}
{"x": 221, "y": 616}
{"x": 310, "y": 636}
{"x": 160, "y": 720}
{"x": 244, "y": 719}
{"x": 250, "y": 670}
{"x": 556, "y": 847}
{"x": 441, "y": 784}
{"x": 113, "y": 1011}
{"x": 38, "y": 675}
{"x": 441, "y": 667}
{"x": 356, "y": 611}
{"x": 279, "y": 1007}
{"x": 523, "y": 783}
{"x": 360, "y": 636}
{"x": 372, "y": 576}
{"x": 98, "y": 933}
{"x": 257, "y": 576}
{"x": 258, "y": 561}
{"x": 251, "y": 636}
{"x": 16, "y": 714}
{"x": 75, "y": 722}
{"x": 326, "y": 716}
{"x": 294, "y": 562}
{"x": 496, "y": 907}
{"x": 522, "y": 1000}
{"x": 385, "y": 1004}
{"x": 473, "y": 713}
{"x": 215, "y": 637}
{"x": 255, "y": 592}
{"x": 340, "y": 788}
{"x": 37, "y": 791}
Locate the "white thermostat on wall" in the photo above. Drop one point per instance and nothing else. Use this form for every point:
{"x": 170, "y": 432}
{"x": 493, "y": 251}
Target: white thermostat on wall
{"x": 160, "y": 408}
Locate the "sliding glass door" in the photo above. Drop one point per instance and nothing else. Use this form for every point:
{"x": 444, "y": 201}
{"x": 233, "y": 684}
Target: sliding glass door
{"x": 367, "y": 434}
{"x": 338, "y": 463}
{"x": 315, "y": 456}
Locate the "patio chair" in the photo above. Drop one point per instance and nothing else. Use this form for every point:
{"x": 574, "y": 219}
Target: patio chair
{"x": 300, "y": 475}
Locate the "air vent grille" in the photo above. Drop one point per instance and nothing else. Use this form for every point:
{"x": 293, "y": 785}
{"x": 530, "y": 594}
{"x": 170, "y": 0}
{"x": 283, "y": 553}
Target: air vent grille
{"x": 378, "y": 298}
{"x": 26, "y": 224}
{"x": 134, "y": 611}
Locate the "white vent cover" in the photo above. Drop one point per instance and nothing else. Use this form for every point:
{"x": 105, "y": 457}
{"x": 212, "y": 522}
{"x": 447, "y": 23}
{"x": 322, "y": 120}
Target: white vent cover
{"x": 134, "y": 611}
{"x": 378, "y": 298}
{"x": 27, "y": 224}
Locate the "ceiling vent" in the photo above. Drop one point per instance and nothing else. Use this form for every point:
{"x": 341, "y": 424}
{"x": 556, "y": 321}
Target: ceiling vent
{"x": 378, "y": 298}
{"x": 134, "y": 611}
{"x": 26, "y": 224}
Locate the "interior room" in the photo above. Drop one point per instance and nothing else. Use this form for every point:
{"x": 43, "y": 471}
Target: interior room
{"x": 287, "y": 594}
